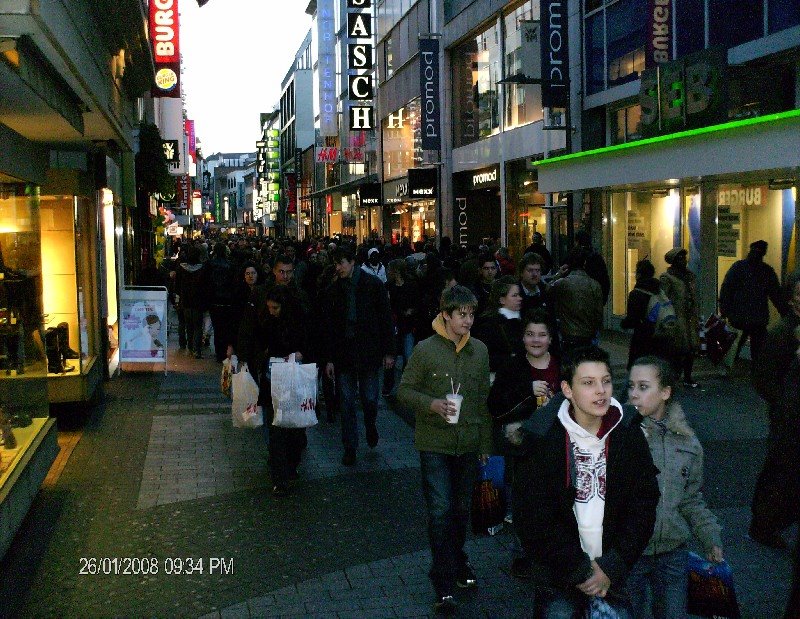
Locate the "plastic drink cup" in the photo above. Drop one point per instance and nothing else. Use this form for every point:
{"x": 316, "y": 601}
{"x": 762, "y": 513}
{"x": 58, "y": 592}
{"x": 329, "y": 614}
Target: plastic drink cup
{"x": 457, "y": 399}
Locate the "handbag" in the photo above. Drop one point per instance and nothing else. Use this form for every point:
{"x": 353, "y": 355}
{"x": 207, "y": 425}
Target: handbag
{"x": 226, "y": 378}
{"x": 245, "y": 411}
{"x": 294, "y": 393}
{"x": 710, "y": 589}
{"x": 719, "y": 338}
{"x": 488, "y": 497}
{"x": 599, "y": 608}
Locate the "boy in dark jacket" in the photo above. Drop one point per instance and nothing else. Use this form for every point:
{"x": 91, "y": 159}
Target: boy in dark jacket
{"x": 586, "y": 491}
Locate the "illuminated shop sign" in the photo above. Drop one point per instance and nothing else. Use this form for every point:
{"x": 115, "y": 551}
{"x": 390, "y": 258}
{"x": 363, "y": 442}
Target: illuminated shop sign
{"x": 370, "y": 194}
{"x": 684, "y": 94}
{"x": 488, "y": 177}
{"x": 359, "y": 65}
{"x": 429, "y": 91}
{"x": 326, "y": 71}
{"x": 171, "y": 151}
{"x": 164, "y": 28}
{"x": 422, "y": 183}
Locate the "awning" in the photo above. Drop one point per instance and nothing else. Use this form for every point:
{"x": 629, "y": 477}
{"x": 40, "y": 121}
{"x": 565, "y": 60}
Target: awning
{"x": 764, "y": 143}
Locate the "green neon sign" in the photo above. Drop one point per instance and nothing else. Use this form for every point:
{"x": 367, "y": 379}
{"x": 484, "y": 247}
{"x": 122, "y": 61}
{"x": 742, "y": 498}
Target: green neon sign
{"x": 735, "y": 124}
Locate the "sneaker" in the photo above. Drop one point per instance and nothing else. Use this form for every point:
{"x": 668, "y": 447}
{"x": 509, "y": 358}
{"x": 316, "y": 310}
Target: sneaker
{"x": 445, "y": 605}
{"x": 349, "y": 457}
{"x": 280, "y": 490}
{"x": 466, "y": 578}
{"x": 772, "y": 540}
{"x": 372, "y": 435}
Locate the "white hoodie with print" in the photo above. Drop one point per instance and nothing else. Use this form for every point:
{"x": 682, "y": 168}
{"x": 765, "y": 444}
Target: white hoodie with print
{"x": 589, "y": 457}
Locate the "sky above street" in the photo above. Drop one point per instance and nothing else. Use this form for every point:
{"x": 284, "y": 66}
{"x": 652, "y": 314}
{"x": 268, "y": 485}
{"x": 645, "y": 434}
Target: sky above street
{"x": 235, "y": 54}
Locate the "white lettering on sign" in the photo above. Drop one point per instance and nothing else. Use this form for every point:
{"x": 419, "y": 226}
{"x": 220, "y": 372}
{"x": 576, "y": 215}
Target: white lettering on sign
{"x": 484, "y": 177}
{"x": 661, "y": 36}
{"x": 555, "y": 42}
{"x": 422, "y": 191}
{"x": 401, "y": 189}
{"x": 463, "y": 232}
{"x": 164, "y": 29}
{"x": 362, "y": 118}
{"x": 746, "y": 196}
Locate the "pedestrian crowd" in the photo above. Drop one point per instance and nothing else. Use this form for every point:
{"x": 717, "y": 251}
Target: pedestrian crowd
{"x": 497, "y": 358}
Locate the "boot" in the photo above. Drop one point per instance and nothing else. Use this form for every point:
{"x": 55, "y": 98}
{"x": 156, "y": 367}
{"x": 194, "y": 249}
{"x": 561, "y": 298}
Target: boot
{"x": 63, "y": 342}
{"x": 55, "y": 360}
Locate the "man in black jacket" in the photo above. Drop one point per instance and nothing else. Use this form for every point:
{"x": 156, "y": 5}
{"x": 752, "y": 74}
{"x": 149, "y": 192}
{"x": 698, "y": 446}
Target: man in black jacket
{"x": 585, "y": 492}
{"x": 358, "y": 337}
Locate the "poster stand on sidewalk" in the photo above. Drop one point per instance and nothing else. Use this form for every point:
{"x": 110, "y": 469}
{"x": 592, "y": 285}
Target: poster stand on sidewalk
{"x": 143, "y": 328}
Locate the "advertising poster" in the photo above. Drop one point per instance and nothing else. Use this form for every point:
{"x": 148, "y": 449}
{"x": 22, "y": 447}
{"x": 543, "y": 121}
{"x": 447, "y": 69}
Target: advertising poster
{"x": 143, "y": 330}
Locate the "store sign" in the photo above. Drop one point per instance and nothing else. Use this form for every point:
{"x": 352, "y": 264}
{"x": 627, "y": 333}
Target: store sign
{"x": 395, "y": 191}
{"x": 555, "y": 53}
{"x": 370, "y": 194}
{"x": 326, "y": 72}
{"x": 206, "y": 183}
{"x": 189, "y": 126}
{"x": 291, "y": 193}
{"x": 197, "y": 202}
{"x": 487, "y": 177}
{"x": 728, "y": 232}
{"x": 353, "y": 154}
{"x": 171, "y": 151}
{"x": 327, "y": 154}
{"x": 164, "y": 27}
{"x": 475, "y": 219}
{"x": 742, "y": 196}
{"x": 359, "y": 65}
{"x": 422, "y": 183}
{"x": 684, "y": 94}
{"x": 429, "y": 90}
{"x": 183, "y": 192}
{"x": 659, "y": 37}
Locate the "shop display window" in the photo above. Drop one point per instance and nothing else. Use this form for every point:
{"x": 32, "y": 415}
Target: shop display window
{"x": 524, "y": 203}
{"x": 402, "y": 140}
{"x": 68, "y": 240}
{"x": 642, "y": 225}
{"x": 523, "y": 102}
{"x": 22, "y": 348}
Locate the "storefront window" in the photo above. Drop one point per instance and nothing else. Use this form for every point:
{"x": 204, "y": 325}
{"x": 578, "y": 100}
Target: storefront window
{"x": 749, "y": 213}
{"x": 642, "y": 225}
{"x": 523, "y": 101}
{"x": 626, "y": 39}
{"x": 401, "y": 140}
{"x": 524, "y": 203}
{"x": 476, "y": 71}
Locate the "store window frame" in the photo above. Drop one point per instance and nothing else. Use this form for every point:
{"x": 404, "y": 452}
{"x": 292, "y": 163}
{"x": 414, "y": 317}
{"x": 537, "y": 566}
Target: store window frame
{"x": 629, "y": 109}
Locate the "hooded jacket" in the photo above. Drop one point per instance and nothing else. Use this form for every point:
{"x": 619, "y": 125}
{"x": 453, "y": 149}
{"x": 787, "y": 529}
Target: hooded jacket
{"x": 545, "y": 493}
{"x": 436, "y": 362}
{"x": 681, "y": 509}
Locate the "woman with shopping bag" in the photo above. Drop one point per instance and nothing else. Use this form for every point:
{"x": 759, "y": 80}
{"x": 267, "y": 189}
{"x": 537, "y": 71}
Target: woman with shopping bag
{"x": 276, "y": 329}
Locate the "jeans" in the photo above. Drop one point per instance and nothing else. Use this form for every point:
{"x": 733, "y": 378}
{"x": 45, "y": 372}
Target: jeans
{"x": 657, "y": 585}
{"x": 285, "y": 444}
{"x": 361, "y": 382}
{"x": 193, "y": 319}
{"x": 447, "y": 483}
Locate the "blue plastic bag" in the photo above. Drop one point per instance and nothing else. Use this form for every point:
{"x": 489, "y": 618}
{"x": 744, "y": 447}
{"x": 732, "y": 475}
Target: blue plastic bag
{"x": 711, "y": 590}
{"x": 488, "y": 497}
{"x": 598, "y": 608}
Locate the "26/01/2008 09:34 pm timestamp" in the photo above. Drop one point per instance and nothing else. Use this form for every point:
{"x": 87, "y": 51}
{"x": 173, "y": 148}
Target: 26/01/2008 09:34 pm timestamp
{"x": 136, "y": 566}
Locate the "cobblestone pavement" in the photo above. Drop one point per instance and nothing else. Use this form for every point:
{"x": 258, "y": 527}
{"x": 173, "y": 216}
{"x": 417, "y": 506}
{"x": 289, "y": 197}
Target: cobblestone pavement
{"x": 159, "y": 474}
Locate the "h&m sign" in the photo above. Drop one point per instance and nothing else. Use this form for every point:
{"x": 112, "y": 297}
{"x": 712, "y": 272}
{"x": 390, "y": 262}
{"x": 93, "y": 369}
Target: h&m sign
{"x": 684, "y": 94}
{"x": 359, "y": 65}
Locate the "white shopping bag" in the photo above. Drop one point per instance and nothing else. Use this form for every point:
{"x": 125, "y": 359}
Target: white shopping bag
{"x": 245, "y": 411}
{"x": 294, "y": 393}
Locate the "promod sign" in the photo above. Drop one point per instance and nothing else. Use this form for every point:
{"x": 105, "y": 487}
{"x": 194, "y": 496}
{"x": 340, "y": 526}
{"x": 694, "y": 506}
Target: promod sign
{"x": 164, "y": 38}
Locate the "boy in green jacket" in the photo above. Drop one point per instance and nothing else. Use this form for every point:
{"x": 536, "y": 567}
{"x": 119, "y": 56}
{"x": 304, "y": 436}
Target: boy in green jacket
{"x": 450, "y": 439}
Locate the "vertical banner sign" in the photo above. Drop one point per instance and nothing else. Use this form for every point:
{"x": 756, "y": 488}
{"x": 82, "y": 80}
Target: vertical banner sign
{"x": 291, "y": 193}
{"x": 326, "y": 51}
{"x": 189, "y": 126}
{"x": 359, "y": 65}
{"x": 166, "y": 49}
{"x": 555, "y": 54}
{"x": 659, "y": 32}
{"x": 429, "y": 88}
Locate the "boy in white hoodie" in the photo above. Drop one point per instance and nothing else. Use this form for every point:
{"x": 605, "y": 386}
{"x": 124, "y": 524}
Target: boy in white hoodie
{"x": 588, "y": 491}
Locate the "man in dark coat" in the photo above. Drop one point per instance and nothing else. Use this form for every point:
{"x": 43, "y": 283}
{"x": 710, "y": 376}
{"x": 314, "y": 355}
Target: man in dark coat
{"x": 747, "y": 286}
{"x": 358, "y": 337}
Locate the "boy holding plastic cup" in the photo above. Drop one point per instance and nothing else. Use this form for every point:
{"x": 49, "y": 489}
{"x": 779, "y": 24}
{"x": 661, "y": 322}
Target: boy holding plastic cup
{"x": 446, "y": 384}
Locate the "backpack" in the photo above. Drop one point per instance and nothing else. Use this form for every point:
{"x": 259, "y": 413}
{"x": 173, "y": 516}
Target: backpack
{"x": 661, "y": 313}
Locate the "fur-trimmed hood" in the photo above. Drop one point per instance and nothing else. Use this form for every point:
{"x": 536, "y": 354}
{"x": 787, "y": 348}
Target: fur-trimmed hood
{"x": 675, "y": 422}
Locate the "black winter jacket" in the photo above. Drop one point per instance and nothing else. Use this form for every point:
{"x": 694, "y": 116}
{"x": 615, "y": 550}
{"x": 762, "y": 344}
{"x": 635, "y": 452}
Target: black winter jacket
{"x": 544, "y": 498}
{"x": 373, "y": 330}
{"x": 503, "y": 338}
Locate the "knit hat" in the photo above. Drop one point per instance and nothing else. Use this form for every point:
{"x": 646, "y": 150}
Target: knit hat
{"x": 372, "y": 250}
{"x": 673, "y": 253}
